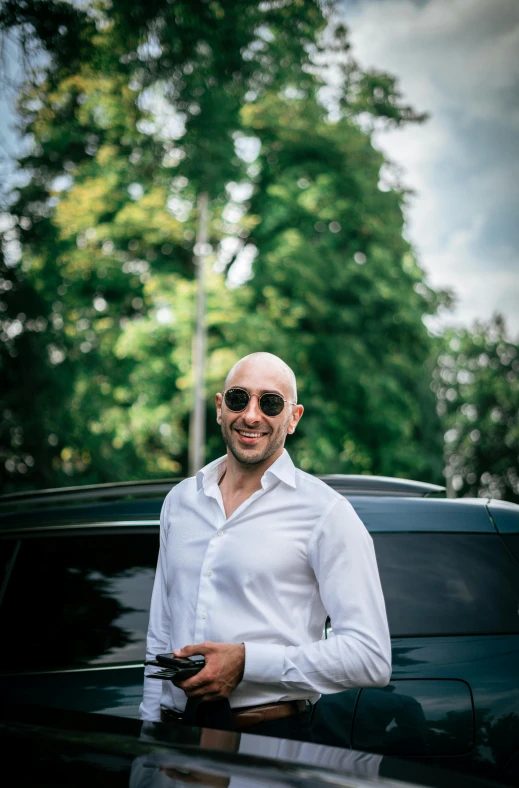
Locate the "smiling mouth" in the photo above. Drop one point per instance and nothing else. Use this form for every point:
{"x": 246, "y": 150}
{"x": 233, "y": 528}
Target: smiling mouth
{"x": 249, "y": 436}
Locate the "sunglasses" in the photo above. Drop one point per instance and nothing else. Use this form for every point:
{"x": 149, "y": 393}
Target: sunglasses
{"x": 270, "y": 404}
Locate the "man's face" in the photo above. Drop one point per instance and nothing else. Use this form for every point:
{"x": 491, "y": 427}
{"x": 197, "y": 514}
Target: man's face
{"x": 250, "y": 435}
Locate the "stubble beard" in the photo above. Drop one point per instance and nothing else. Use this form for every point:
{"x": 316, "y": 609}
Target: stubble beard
{"x": 246, "y": 458}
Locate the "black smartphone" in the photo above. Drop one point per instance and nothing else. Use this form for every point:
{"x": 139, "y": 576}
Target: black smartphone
{"x": 169, "y": 661}
{"x": 181, "y": 668}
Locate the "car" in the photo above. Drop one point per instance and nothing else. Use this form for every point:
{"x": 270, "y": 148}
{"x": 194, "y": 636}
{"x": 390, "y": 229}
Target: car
{"x": 77, "y": 571}
{"x": 43, "y": 747}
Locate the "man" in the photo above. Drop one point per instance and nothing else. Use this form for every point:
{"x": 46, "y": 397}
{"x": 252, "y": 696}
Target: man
{"x": 254, "y": 554}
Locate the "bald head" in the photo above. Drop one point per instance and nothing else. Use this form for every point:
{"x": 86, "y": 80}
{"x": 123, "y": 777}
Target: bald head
{"x": 273, "y": 367}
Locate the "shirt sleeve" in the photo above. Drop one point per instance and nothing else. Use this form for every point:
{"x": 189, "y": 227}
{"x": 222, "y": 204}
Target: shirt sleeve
{"x": 158, "y": 638}
{"x": 342, "y": 556}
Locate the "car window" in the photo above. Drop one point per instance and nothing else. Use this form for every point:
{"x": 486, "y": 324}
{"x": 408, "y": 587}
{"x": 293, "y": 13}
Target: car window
{"x": 448, "y": 584}
{"x": 78, "y": 600}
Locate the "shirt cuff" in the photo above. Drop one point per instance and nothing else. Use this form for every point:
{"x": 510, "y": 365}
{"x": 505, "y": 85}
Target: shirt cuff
{"x": 263, "y": 662}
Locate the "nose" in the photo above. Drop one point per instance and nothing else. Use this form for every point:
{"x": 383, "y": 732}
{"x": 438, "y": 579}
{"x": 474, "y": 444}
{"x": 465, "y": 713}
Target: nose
{"x": 253, "y": 411}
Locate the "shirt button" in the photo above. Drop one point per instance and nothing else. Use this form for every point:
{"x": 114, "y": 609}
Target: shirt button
{"x": 219, "y": 533}
{"x": 209, "y": 573}
{"x": 204, "y": 615}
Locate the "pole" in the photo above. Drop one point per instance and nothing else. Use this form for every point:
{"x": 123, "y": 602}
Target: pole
{"x": 197, "y": 421}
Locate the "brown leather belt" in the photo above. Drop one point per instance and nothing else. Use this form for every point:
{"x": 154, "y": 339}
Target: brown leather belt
{"x": 253, "y": 715}
{"x": 247, "y": 716}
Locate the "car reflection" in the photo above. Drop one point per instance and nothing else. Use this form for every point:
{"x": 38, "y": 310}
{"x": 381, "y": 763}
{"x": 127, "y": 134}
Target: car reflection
{"x": 165, "y": 770}
{"x": 408, "y": 717}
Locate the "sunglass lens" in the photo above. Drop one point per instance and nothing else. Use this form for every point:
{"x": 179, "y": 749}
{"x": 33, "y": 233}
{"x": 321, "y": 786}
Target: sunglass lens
{"x": 271, "y": 404}
{"x": 236, "y": 399}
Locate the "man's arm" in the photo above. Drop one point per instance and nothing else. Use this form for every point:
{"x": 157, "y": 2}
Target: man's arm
{"x": 159, "y": 626}
{"x": 341, "y": 553}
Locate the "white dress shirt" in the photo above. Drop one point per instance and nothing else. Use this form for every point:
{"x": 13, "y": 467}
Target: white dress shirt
{"x": 267, "y": 576}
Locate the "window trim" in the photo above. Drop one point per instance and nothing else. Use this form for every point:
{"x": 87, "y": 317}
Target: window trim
{"x": 31, "y": 531}
{"x": 9, "y": 569}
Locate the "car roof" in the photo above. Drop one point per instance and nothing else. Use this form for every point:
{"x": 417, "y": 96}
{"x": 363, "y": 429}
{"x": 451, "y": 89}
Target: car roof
{"x": 347, "y": 483}
{"x": 383, "y": 503}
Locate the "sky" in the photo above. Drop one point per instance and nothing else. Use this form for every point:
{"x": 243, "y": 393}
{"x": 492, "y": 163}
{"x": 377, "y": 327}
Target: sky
{"x": 457, "y": 60}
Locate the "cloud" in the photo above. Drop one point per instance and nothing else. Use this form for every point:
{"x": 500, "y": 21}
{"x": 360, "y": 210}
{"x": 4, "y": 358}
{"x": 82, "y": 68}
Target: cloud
{"x": 458, "y": 61}
{"x": 485, "y": 282}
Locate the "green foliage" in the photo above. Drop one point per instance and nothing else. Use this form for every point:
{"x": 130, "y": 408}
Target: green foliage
{"x": 335, "y": 275}
{"x": 167, "y": 99}
{"x": 477, "y": 385}
{"x": 131, "y": 112}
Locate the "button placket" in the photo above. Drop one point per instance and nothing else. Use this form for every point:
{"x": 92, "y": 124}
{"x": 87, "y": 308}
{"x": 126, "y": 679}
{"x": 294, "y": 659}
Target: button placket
{"x": 206, "y": 588}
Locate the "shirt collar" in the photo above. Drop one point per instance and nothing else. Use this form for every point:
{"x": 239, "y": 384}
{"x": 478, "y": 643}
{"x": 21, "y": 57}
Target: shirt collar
{"x": 281, "y": 470}
{"x": 210, "y": 474}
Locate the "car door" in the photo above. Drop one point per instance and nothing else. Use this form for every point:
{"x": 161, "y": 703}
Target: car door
{"x": 452, "y": 608}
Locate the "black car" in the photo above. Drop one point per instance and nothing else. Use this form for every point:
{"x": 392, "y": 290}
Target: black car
{"x": 78, "y": 566}
{"x": 51, "y": 747}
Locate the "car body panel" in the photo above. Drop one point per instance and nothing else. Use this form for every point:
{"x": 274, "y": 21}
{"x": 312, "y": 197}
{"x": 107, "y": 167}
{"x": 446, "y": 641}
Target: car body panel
{"x": 42, "y": 747}
{"x": 415, "y": 515}
{"x": 109, "y": 511}
{"x": 462, "y": 688}
{"x": 488, "y": 671}
{"x": 415, "y": 717}
{"x": 112, "y": 689}
{"x": 505, "y": 516}
{"x": 379, "y": 513}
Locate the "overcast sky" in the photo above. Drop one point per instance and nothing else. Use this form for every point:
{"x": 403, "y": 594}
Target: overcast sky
{"x": 459, "y": 61}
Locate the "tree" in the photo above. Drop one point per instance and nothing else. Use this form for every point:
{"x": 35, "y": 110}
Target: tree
{"x": 319, "y": 305}
{"x": 132, "y": 113}
{"x": 477, "y": 387}
{"x": 342, "y": 291}
{"x": 108, "y": 95}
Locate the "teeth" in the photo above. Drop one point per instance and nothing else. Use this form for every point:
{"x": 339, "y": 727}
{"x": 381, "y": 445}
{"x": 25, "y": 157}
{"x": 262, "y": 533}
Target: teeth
{"x": 250, "y": 434}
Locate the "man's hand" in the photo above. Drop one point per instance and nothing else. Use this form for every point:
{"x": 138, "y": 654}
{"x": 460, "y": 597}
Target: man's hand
{"x": 224, "y": 665}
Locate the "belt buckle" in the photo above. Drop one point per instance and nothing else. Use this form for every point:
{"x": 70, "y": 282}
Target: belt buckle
{"x": 176, "y": 716}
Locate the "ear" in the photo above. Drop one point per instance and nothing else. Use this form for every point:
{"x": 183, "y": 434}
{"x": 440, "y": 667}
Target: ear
{"x": 218, "y": 401}
{"x": 294, "y": 419}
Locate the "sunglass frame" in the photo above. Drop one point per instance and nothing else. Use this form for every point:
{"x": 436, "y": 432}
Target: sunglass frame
{"x": 260, "y": 397}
